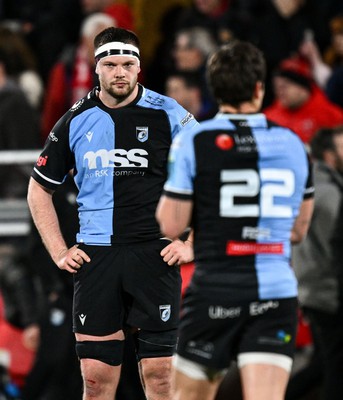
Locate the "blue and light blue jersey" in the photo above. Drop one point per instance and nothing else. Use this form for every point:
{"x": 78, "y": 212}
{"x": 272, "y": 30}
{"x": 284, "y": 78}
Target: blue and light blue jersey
{"x": 247, "y": 178}
{"x": 119, "y": 161}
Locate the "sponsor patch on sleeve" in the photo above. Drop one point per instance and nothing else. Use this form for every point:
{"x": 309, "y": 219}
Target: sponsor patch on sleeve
{"x": 186, "y": 119}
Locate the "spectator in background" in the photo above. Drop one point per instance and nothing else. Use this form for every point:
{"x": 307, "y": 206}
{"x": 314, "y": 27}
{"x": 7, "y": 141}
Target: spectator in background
{"x": 192, "y": 48}
{"x": 186, "y": 89}
{"x": 48, "y": 26}
{"x": 310, "y": 51}
{"x": 320, "y": 293}
{"x": 224, "y": 19}
{"x": 162, "y": 61}
{"x": 327, "y": 68}
{"x": 186, "y": 53}
{"x": 73, "y": 76}
{"x": 299, "y": 103}
{"x": 19, "y": 126}
{"x": 121, "y": 12}
{"x": 334, "y": 57}
{"x": 277, "y": 29}
{"x": 22, "y": 64}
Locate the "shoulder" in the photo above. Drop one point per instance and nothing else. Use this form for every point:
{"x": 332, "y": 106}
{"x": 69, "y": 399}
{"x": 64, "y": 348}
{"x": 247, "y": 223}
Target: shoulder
{"x": 152, "y": 99}
{"x": 177, "y": 114}
{"x": 85, "y": 103}
{"x": 76, "y": 110}
{"x": 187, "y": 137}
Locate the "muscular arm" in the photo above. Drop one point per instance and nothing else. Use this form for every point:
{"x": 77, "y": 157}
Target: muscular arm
{"x": 45, "y": 218}
{"x": 302, "y": 222}
{"x": 173, "y": 216}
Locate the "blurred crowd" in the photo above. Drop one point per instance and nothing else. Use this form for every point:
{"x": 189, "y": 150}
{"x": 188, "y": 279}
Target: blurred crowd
{"x": 47, "y": 64}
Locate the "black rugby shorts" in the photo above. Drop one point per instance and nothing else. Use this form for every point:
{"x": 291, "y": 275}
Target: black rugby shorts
{"x": 126, "y": 284}
{"x": 214, "y": 330}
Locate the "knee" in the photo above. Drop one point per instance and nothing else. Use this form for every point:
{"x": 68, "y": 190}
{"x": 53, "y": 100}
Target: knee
{"x": 98, "y": 378}
{"x": 93, "y": 379}
{"x": 157, "y": 374}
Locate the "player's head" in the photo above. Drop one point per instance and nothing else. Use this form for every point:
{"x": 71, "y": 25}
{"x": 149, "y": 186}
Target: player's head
{"x": 233, "y": 72}
{"x": 117, "y": 62}
{"x": 116, "y": 42}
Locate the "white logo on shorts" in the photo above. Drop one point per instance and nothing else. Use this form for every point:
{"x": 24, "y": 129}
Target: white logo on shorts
{"x": 258, "y": 308}
{"x": 165, "y": 312}
{"x": 82, "y": 318}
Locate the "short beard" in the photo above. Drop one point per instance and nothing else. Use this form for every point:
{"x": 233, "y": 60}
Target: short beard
{"x": 119, "y": 96}
{"x": 122, "y": 96}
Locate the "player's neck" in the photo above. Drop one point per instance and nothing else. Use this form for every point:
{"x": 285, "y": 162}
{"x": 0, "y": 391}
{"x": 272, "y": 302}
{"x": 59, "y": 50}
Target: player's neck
{"x": 243, "y": 108}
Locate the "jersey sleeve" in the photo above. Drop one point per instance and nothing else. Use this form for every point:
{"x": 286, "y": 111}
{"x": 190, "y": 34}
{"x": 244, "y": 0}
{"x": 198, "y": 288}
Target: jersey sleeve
{"x": 181, "y": 167}
{"x": 180, "y": 118}
{"x": 56, "y": 158}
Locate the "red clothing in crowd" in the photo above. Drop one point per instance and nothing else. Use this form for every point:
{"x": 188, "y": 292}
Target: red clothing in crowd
{"x": 318, "y": 112}
{"x": 70, "y": 79}
{"x": 123, "y": 14}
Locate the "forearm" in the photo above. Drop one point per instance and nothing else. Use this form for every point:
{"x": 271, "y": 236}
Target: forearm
{"x": 45, "y": 218}
{"x": 302, "y": 222}
{"x": 173, "y": 216}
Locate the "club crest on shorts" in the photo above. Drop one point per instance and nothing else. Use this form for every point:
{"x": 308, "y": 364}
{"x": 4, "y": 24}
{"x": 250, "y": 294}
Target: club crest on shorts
{"x": 165, "y": 312}
{"x": 142, "y": 133}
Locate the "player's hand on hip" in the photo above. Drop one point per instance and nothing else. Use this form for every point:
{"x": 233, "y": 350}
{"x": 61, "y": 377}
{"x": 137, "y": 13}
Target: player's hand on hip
{"x": 72, "y": 259}
{"x": 178, "y": 252}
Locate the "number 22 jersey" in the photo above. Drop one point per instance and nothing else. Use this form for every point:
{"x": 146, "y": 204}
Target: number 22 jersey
{"x": 247, "y": 178}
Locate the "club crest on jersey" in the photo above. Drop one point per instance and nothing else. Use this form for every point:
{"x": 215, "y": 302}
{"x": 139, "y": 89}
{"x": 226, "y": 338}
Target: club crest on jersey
{"x": 165, "y": 311}
{"x": 142, "y": 133}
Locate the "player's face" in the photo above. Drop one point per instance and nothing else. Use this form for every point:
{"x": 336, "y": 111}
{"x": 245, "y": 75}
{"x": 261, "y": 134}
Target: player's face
{"x": 118, "y": 75}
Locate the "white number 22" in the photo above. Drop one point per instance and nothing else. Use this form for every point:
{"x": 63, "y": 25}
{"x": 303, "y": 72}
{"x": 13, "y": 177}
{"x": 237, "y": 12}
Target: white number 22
{"x": 274, "y": 183}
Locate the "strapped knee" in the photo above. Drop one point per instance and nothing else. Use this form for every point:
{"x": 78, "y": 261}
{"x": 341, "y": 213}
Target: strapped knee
{"x": 155, "y": 344}
{"x": 107, "y": 351}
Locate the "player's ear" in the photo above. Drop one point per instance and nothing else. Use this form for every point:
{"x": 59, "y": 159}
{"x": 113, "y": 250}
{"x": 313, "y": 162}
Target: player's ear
{"x": 97, "y": 68}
